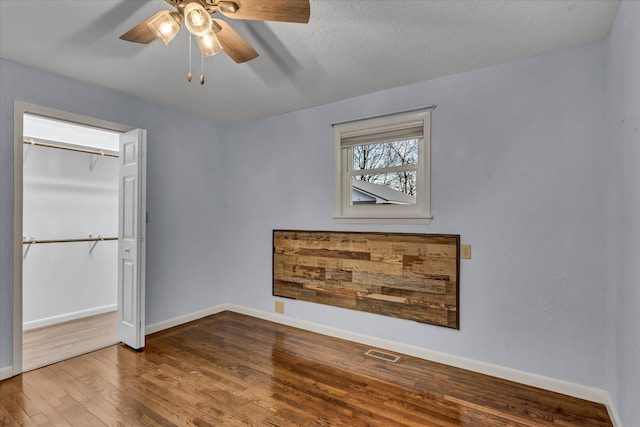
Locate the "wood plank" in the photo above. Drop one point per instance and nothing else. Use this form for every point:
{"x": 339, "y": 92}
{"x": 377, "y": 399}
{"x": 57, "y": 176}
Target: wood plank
{"x": 43, "y": 346}
{"x": 312, "y": 261}
{"x": 332, "y": 275}
{"x": 235, "y": 370}
{"x": 437, "y": 315}
{"x": 408, "y": 281}
{"x": 336, "y": 253}
{"x": 387, "y": 258}
{"x": 357, "y": 265}
{"x": 431, "y": 266}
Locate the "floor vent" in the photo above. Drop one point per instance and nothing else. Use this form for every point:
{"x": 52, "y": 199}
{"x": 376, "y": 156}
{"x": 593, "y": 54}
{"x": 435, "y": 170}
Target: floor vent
{"x": 382, "y": 355}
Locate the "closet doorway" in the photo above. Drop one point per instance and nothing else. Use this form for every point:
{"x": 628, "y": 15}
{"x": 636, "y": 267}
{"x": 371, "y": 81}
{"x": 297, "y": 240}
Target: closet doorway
{"x": 74, "y": 198}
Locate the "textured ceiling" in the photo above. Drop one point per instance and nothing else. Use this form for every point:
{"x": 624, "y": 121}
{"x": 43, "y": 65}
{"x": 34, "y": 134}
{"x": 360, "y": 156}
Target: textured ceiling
{"x": 349, "y": 48}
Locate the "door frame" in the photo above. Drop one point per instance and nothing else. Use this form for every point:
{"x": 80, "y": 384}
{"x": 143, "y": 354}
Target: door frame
{"x": 19, "y": 110}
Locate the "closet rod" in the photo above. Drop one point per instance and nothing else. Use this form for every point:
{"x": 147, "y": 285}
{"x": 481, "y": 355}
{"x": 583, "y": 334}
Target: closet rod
{"x": 63, "y": 147}
{"x": 91, "y": 239}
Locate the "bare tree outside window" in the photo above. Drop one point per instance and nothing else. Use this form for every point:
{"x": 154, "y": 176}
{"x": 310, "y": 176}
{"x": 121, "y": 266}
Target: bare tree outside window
{"x": 374, "y": 158}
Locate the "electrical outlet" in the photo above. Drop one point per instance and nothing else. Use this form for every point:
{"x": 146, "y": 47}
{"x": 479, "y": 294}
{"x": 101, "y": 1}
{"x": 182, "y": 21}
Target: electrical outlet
{"x": 279, "y": 306}
{"x": 465, "y": 251}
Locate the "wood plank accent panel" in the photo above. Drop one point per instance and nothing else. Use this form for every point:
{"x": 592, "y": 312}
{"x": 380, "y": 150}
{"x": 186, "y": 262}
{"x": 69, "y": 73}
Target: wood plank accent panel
{"x": 410, "y": 276}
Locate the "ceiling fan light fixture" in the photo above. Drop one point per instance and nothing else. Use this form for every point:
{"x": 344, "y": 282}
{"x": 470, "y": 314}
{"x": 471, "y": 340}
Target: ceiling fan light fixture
{"x": 209, "y": 44}
{"x": 227, "y": 6}
{"x": 215, "y": 35}
{"x": 165, "y": 25}
{"x": 197, "y": 19}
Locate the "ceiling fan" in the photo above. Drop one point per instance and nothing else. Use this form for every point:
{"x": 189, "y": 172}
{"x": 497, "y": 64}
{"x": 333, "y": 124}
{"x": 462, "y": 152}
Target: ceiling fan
{"x": 215, "y": 35}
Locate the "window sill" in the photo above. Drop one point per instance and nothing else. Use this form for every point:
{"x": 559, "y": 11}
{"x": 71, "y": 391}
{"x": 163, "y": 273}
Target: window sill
{"x": 379, "y": 220}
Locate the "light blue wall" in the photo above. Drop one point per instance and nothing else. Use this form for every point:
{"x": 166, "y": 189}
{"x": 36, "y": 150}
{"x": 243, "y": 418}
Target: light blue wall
{"x": 185, "y": 187}
{"x": 623, "y": 108}
{"x": 517, "y": 171}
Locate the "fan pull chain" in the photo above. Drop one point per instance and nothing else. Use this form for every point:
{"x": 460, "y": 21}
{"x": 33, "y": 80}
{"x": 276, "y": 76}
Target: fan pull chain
{"x": 189, "y": 75}
{"x": 202, "y": 70}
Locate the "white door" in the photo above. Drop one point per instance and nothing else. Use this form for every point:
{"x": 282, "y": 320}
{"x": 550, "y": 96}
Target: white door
{"x": 131, "y": 238}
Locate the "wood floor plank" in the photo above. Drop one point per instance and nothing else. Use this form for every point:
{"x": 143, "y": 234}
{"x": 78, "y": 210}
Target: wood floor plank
{"x": 231, "y": 370}
{"x": 51, "y": 344}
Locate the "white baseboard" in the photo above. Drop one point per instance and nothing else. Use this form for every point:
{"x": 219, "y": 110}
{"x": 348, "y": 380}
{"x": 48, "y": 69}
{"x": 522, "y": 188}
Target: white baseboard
{"x": 170, "y": 323}
{"x": 48, "y": 321}
{"x": 6, "y": 372}
{"x": 547, "y": 383}
{"x": 613, "y": 412}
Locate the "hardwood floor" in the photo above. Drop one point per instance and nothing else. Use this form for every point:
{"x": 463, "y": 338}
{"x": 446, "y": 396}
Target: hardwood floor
{"x": 44, "y": 346}
{"x": 230, "y": 369}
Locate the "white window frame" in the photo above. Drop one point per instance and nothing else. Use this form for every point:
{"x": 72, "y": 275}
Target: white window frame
{"x": 344, "y": 210}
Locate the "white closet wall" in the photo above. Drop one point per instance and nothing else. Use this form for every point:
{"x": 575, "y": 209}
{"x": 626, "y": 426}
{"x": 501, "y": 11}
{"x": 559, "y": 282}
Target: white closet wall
{"x": 65, "y": 198}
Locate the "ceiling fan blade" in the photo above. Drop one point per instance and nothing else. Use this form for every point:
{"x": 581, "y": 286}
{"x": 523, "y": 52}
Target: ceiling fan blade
{"x": 234, "y": 45}
{"x": 272, "y": 10}
{"x": 141, "y": 33}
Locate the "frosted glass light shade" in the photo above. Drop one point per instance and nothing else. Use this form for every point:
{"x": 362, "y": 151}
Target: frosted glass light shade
{"x": 197, "y": 19}
{"x": 209, "y": 44}
{"x": 165, "y": 25}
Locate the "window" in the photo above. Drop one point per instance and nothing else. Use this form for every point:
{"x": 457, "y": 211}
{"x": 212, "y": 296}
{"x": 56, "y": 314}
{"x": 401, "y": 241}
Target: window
{"x": 382, "y": 168}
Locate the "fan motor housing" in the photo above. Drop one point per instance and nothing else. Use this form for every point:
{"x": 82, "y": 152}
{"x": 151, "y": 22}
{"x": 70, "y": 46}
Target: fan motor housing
{"x": 210, "y": 6}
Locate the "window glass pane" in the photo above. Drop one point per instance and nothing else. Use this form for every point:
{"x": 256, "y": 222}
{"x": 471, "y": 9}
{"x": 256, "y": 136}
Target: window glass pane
{"x": 397, "y": 188}
{"x": 385, "y": 154}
